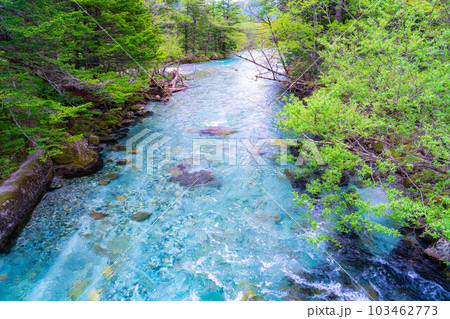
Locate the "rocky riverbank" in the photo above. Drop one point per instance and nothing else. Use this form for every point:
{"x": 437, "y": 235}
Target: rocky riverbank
{"x": 23, "y": 190}
{"x": 431, "y": 244}
{"x": 104, "y": 124}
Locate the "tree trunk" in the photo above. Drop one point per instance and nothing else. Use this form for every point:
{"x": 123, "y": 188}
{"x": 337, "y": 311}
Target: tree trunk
{"x": 186, "y": 40}
{"x": 339, "y": 8}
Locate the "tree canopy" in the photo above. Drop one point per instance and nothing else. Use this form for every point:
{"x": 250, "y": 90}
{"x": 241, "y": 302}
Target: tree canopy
{"x": 374, "y": 77}
{"x": 60, "y": 59}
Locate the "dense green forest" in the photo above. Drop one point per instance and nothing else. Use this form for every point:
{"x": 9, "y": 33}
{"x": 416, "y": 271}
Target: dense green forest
{"x": 372, "y": 79}
{"x": 90, "y": 59}
{"x": 375, "y": 80}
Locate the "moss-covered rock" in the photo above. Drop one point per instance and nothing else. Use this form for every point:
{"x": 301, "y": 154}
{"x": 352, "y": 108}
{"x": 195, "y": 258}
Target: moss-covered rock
{"x": 93, "y": 139}
{"x": 20, "y": 193}
{"x": 135, "y": 108}
{"x": 77, "y": 159}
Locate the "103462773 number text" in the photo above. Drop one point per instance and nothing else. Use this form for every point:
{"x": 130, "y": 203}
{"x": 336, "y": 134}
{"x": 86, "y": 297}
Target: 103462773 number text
{"x": 403, "y": 310}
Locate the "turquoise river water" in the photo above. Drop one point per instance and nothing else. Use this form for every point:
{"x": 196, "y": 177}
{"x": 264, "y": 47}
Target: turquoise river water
{"x": 239, "y": 238}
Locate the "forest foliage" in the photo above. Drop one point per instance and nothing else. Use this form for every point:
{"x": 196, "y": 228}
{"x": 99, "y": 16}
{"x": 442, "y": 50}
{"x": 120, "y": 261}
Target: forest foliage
{"x": 374, "y": 77}
{"x": 63, "y": 60}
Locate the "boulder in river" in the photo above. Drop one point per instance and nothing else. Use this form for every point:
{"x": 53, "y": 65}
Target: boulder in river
{"x": 195, "y": 179}
{"x": 439, "y": 251}
{"x": 20, "y": 193}
{"x": 408, "y": 256}
{"x": 77, "y": 159}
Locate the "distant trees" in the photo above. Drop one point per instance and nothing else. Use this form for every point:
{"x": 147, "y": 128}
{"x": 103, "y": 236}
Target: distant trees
{"x": 210, "y": 26}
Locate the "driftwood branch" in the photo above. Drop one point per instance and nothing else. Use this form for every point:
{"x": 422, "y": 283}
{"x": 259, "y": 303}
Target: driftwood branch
{"x": 270, "y": 69}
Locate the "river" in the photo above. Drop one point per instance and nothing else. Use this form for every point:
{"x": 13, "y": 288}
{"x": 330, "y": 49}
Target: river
{"x": 239, "y": 238}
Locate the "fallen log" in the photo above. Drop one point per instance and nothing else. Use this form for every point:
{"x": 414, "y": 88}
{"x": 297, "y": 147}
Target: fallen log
{"x": 178, "y": 89}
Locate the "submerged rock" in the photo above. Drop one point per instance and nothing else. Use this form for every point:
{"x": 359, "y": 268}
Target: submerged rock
{"x": 195, "y": 179}
{"x": 217, "y": 130}
{"x": 104, "y": 182}
{"x": 303, "y": 292}
{"x": 119, "y": 147}
{"x": 111, "y": 177}
{"x": 77, "y": 159}
{"x": 123, "y": 161}
{"x": 249, "y": 295}
{"x": 439, "y": 251}
{"x": 20, "y": 193}
{"x": 140, "y": 216}
{"x": 77, "y": 289}
{"x": 278, "y": 142}
{"x": 102, "y": 251}
{"x": 98, "y": 215}
{"x": 275, "y": 218}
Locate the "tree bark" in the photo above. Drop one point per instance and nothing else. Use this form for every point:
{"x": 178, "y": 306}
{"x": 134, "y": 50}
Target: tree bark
{"x": 339, "y": 7}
